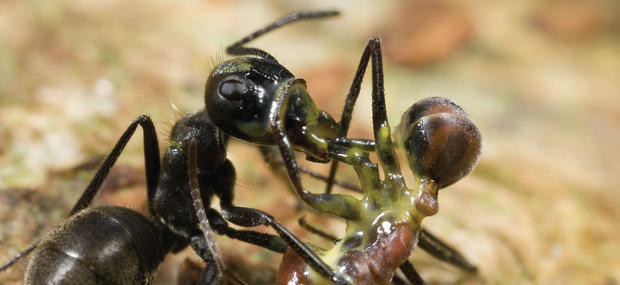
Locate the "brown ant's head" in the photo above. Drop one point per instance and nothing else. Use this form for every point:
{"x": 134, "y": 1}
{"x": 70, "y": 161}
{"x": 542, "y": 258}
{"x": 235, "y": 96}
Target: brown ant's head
{"x": 441, "y": 141}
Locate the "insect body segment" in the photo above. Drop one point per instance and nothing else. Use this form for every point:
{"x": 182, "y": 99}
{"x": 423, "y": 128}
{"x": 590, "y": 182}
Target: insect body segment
{"x": 123, "y": 247}
{"x": 384, "y": 234}
{"x": 254, "y": 98}
{"x": 241, "y": 97}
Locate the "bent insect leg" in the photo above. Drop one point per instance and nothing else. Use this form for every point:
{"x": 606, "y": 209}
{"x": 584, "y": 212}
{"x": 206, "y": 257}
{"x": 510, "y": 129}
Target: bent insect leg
{"x": 411, "y": 274}
{"x": 442, "y": 251}
{"x": 247, "y": 217}
{"x": 152, "y": 165}
{"x": 345, "y": 206}
{"x": 347, "y": 112}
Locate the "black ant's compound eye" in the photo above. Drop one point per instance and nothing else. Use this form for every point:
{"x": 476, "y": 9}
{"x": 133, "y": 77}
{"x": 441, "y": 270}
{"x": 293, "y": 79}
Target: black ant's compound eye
{"x": 441, "y": 141}
{"x": 233, "y": 89}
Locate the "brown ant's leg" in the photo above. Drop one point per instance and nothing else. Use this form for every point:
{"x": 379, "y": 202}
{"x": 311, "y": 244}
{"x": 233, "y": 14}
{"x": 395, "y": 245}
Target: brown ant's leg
{"x": 345, "y": 206}
{"x": 412, "y": 275}
{"x": 238, "y": 48}
{"x": 442, "y": 251}
{"x": 152, "y": 165}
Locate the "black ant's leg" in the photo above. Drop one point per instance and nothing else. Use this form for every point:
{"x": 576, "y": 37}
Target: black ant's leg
{"x": 412, "y": 275}
{"x": 268, "y": 241}
{"x": 362, "y": 144}
{"x": 302, "y": 222}
{"x": 211, "y": 219}
{"x": 247, "y": 217}
{"x": 382, "y": 133}
{"x": 269, "y": 154}
{"x": 442, "y": 251}
{"x": 212, "y": 271}
{"x": 345, "y": 206}
{"x": 238, "y": 48}
{"x": 381, "y": 127}
{"x": 398, "y": 281}
{"x": 152, "y": 164}
{"x": 347, "y": 112}
{"x": 210, "y": 251}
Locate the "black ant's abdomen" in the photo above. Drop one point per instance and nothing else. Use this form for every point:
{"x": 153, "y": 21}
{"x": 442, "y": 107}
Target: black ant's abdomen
{"x": 104, "y": 245}
{"x": 441, "y": 141}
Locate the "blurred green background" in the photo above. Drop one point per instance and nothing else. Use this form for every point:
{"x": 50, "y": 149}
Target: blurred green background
{"x": 541, "y": 79}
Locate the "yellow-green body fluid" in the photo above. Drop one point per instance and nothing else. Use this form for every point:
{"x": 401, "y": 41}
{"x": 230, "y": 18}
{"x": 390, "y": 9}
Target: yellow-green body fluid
{"x": 389, "y": 201}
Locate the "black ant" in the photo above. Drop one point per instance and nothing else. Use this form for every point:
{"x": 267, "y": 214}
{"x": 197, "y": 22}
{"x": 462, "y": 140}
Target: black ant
{"x": 277, "y": 110}
{"x": 255, "y": 99}
{"x": 81, "y": 249}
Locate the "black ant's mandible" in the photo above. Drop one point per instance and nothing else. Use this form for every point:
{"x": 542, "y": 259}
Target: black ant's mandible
{"x": 256, "y": 99}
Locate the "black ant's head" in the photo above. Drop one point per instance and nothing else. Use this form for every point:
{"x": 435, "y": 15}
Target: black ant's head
{"x": 441, "y": 141}
{"x": 239, "y": 94}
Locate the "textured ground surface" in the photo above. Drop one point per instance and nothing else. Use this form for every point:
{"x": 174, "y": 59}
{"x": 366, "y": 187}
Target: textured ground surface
{"x": 540, "y": 79}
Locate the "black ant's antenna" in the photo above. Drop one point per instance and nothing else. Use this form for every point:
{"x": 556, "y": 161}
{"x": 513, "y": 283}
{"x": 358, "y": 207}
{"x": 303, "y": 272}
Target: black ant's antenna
{"x": 238, "y": 49}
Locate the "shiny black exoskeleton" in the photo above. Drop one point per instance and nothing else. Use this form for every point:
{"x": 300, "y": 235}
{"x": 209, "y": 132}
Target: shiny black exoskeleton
{"x": 123, "y": 247}
{"x": 255, "y": 99}
{"x": 115, "y": 245}
{"x": 97, "y": 244}
{"x": 251, "y": 97}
